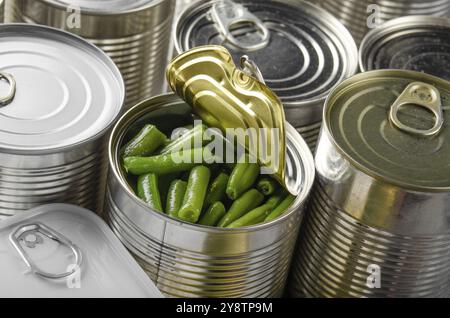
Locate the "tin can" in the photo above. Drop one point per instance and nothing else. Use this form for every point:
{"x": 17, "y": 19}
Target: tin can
{"x": 135, "y": 34}
{"x": 417, "y": 43}
{"x": 62, "y": 94}
{"x": 302, "y": 50}
{"x": 360, "y": 16}
{"x": 378, "y": 223}
{"x": 186, "y": 260}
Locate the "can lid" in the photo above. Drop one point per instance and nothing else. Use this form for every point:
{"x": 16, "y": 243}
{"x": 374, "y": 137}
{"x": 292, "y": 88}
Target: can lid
{"x": 394, "y": 125}
{"x": 302, "y": 50}
{"x": 102, "y": 6}
{"x": 417, "y": 43}
{"x": 57, "y": 90}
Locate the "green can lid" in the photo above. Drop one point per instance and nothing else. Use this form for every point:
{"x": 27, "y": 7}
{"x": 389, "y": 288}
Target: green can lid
{"x": 394, "y": 126}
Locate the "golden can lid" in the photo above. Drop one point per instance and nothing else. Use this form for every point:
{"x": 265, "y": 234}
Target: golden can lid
{"x": 227, "y": 97}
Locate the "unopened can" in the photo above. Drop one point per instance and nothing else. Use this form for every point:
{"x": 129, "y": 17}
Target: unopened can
{"x": 135, "y": 34}
{"x": 417, "y": 43}
{"x": 61, "y": 94}
{"x": 301, "y": 50}
{"x": 186, "y": 260}
{"x": 360, "y": 16}
{"x": 378, "y": 224}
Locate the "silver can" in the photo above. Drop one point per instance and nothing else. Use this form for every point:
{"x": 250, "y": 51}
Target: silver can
{"x": 186, "y": 260}
{"x": 61, "y": 95}
{"x": 135, "y": 34}
{"x": 378, "y": 224}
{"x": 417, "y": 43}
{"x": 301, "y": 50}
{"x": 360, "y": 16}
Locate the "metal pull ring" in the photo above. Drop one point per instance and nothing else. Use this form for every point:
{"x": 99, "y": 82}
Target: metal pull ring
{"x": 423, "y": 95}
{"x": 5, "y": 100}
{"x": 249, "y": 67}
{"x": 226, "y": 13}
{"x": 28, "y": 235}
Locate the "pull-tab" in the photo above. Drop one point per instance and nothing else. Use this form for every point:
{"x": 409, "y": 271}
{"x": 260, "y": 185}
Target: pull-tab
{"x": 226, "y": 14}
{"x": 30, "y": 236}
{"x": 8, "y": 98}
{"x": 423, "y": 95}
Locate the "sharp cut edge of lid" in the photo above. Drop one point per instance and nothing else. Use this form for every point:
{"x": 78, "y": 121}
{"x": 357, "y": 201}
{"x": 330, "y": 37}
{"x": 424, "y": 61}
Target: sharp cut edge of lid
{"x": 345, "y": 86}
{"x": 395, "y": 26}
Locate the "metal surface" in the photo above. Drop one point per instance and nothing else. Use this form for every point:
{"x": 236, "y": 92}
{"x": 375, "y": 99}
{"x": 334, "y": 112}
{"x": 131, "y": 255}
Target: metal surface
{"x": 2, "y": 11}
{"x": 308, "y": 52}
{"x": 67, "y": 95}
{"x": 356, "y": 15}
{"x": 382, "y": 196}
{"x": 55, "y": 238}
{"x": 11, "y": 12}
{"x": 135, "y": 34}
{"x": 186, "y": 260}
{"x": 417, "y": 43}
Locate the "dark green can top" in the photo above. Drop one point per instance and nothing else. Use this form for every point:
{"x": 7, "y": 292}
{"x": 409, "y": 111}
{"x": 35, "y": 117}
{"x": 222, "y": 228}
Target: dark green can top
{"x": 408, "y": 145}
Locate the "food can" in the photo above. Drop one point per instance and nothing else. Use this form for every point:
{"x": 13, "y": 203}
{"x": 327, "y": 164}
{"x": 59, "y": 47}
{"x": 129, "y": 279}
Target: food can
{"x": 302, "y": 50}
{"x": 135, "y": 34}
{"x": 416, "y": 43}
{"x": 378, "y": 222}
{"x": 360, "y": 16}
{"x": 186, "y": 260}
{"x": 61, "y": 94}
{"x": 61, "y": 250}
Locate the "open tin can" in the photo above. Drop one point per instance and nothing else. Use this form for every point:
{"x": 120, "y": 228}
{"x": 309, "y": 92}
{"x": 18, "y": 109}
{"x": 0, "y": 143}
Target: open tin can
{"x": 187, "y": 260}
{"x": 378, "y": 221}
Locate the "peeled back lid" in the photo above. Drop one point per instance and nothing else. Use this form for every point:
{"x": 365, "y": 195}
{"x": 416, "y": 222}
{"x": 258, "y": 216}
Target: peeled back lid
{"x": 57, "y": 90}
{"x": 61, "y": 250}
{"x": 302, "y": 50}
{"x": 394, "y": 125}
{"x": 416, "y": 43}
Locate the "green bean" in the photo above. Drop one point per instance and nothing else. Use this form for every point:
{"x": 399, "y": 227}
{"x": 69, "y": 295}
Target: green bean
{"x": 168, "y": 163}
{"x": 281, "y": 208}
{"x": 247, "y": 202}
{"x": 175, "y": 197}
{"x": 259, "y": 214}
{"x": 187, "y": 141}
{"x": 165, "y": 181}
{"x": 195, "y": 194}
{"x": 144, "y": 143}
{"x": 215, "y": 212}
{"x": 267, "y": 185}
{"x": 147, "y": 190}
{"x": 242, "y": 178}
{"x": 216, "y": 191}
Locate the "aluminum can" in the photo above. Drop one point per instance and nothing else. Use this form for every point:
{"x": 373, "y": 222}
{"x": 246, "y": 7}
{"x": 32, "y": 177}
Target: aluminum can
{"x": 61, "y": 94}
{"x": 186, "y": 260}
{"x": 135, "y": 34}
{"x": 301, "y": 50}
{"x": 378, "y": 223}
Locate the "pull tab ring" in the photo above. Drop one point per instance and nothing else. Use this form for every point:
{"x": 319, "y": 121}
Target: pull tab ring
{"x": 423, "y": 95}
{"x": 249, "y": 67}
{"x": 8, "y": 98}
{"x": 226, "y": 13}
{"x": 23, "y": 233}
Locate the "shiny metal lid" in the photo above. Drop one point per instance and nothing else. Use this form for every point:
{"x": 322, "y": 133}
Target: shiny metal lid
{"x": 394, "y": 125}
{"x": 417, "y": 43}
{"x": 302, "y": 50}
{"x": 103, "y": 6}
{"x": 57, "y": 90}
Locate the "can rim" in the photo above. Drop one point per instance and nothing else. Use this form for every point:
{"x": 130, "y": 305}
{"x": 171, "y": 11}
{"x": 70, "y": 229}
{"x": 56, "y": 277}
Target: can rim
{"x": 128, "y": 118}
{"x": 146, "y": 6}
{"x": 395, "y": 27}
{"x": 109, "y": 63}
{"x": 326, "y": 125}
{"x": 326, "y": 17}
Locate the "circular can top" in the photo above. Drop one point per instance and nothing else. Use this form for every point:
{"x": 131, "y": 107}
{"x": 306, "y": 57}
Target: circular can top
{"x": 56, "y": 90}
{"x": 394, "y": 125}
{"x": 302, "y": 51}
{"x": 417, "y": 43}
{"x": 104, "y": 6}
